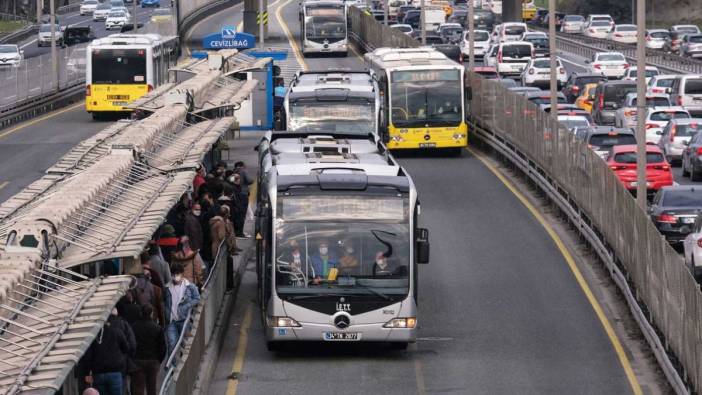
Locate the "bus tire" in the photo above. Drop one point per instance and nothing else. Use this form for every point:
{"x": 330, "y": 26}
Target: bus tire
{"x": 273, "y": 346}
{"x": 398, "y": 346}
{"x": 454, "y": 152}
{"x": 345, "y": 54}
{"x": 96, "y": 116}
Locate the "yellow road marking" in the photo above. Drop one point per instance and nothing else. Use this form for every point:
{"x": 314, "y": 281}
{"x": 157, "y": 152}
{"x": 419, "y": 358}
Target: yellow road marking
{"x": 621, "y": 354}
{"x": 41, "y": 119}
{"x": 355, "y": 51}
{"x": 419, "y": 375}
{"x": 240, "y": 350}
{"x": 4, "y": 184}
{"x": 293, "y": 44}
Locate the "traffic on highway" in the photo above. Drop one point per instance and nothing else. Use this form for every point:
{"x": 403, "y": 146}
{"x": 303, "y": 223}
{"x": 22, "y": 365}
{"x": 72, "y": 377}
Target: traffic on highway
{"x": 324, "y": 204}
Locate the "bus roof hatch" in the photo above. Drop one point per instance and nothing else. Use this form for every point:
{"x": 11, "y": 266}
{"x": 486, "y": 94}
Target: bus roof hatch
{"x": 337, "y": 181}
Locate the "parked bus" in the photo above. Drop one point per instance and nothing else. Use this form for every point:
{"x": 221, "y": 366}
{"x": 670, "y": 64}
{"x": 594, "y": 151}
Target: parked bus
{"x": 121, "y": 68}
{"x": 324, "y": 27}
{"x": 423, "y": 98}
{"x": 338, "y": 243}
{"x": 333, "y": 102}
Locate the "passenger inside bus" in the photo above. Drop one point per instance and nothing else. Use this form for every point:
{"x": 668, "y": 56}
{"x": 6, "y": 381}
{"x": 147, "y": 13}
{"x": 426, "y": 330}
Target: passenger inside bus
{"x": 323, "y": 261}
{"x": 348, "y": 263}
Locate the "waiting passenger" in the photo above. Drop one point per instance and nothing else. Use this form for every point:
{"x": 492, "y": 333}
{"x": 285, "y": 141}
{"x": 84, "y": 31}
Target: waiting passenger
{"x": 179, "y": 299}
{"x": 323, "y": 261}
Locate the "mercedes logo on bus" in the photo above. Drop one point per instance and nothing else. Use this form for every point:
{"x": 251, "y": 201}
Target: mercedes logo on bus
{"x": 342, "y": 321}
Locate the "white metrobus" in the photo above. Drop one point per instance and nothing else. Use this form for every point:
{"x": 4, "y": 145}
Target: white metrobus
{"x": 121, "y": 68}
{"x": 333, "y": 102}
{"x": 324, "y": 27}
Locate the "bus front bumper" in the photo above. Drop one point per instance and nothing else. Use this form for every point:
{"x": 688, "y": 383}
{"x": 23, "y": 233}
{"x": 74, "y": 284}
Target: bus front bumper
{"x": 330, "y": 333}
{"x": 312, "y": 47}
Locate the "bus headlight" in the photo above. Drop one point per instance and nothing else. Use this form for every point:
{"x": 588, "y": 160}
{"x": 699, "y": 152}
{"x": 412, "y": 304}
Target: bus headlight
{"x": 459, "y": 136}
{"x": 283, "y": 322}
{"x": 397, "y": 139}
{"x": 409, "y": 322}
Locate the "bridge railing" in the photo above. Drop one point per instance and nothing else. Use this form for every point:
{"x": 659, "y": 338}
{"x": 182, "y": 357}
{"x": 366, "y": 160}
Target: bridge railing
{"x": 662, "y": 294}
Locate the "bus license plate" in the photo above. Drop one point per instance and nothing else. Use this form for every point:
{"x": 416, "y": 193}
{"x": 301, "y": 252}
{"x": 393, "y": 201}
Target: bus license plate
{"x": 341, "y": 336}
{"x": 427, "y": 145}
{"x": 120, "y": 103}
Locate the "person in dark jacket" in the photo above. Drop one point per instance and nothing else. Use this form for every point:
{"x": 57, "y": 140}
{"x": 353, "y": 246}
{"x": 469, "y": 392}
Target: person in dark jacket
{"x": 193, "y": 227}
{"x": 151, "y": 349}
{"x": 106, "y": 359}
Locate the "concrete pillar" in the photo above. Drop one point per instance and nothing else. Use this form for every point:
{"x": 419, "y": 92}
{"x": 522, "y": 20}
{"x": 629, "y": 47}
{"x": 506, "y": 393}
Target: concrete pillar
{"x": 251, "y": 15}
{"x": 511, "y": 11}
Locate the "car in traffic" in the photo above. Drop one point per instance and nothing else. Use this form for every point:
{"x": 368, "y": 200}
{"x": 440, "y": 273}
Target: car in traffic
{"x": 540, "y": 42}
{"x": 523, "y": 90}
{"x": 512, "y": 31}
{"x": 116, "y": 20}
{"x": 658, "y": 117}
{"x": 577, "y": 81}
{"x": 587, "y": 98}
{"x": 661, "y": 83}
{"x": 45, "y": 38}
{"x": 601, "y": 139}
{"x": 412, "y": 18}
{"x": 574, "y": 111}
{"x": 625, "y": 116}
{"x": 559, "y": 20}
{"x": 597, "y": 29}
{"x": 101, "y": 12}
{"x": 572, "y": 122}
{"x": 612, "y": 64}
{"x": 483, "y": 19}
{"x": 656, "y": 38}
{"x": 10, "y": 55}
{"x": 487, "y": 72}
{"x": 691, "y": 160}
{"x": 691, "y": 46}
{"x": 685, "y": 29}
{"x": 676, "y": 136}
{"x": 490, "y": 57}
{"x": 406, "y": 29}
{"x": 150, "y": 3}
{"x": 687, "y": 92}
{"x": 622, "y": 161}
{"x": 73, "y": 35}
{"x": 624, "y": 33}
{"x": 481, "y": 43}
{"x": 451, "y": 33}
{"x": 513, "y": 56}
{"x": 609, "y": 96}
{"x": 674, "y": 211}
{"x": 538, "y": 73}
{"x": 672, "y": 43}
{"x": 87, "y": 7}
{"x": 161, "y": 15}
{"x": 632, "y": 72}
{"x": 600, "y": 18}
{"x": 543, "y": 98}
{"x": 572, "y": 24}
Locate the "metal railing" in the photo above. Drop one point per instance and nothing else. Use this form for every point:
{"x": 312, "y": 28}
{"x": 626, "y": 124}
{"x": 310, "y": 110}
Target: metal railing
{"x": 182, "y": 364}
{"x": 661, "y": 292}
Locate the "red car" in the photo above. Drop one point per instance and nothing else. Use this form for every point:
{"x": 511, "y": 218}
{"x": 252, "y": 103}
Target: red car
{"x": 623, "y": 162}
{"x": 488, "y": 72}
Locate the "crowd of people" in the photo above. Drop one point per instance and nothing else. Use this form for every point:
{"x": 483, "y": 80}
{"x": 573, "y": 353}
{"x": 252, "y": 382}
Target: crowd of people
{"x": 145, "y": 326}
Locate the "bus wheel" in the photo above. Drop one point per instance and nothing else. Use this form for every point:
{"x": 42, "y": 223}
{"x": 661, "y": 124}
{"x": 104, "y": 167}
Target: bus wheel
{"x": 273, "y": 346}
{"x": 454, "y": 152}
{"x": 398, "y": 346}
{"x": 96, "y": 116}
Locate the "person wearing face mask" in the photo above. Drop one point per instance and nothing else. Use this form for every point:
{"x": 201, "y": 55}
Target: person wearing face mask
{"x": 190, "y": 260}
{"x": 387, "y": 267}
{"x": 193, "y": 227}
{"x": 323, "y": 261}
{"x": 348, "y": 262}
{"x": 180, "y": 297}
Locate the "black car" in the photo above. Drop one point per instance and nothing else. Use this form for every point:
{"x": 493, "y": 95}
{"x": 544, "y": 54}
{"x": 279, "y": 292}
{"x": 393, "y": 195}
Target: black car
{"x": 451, "y": 35}
{"x": 452, "y": 51}
{"x": 483, "y": 19}
{"x": 538, "y": 17}
{"x": 77, "y": 35}
{"x": 601, "y": 139}
{"x": 402, "y": 11}
{"x": 412, "y": 18}
{"x": 674, "y": 210}
{"x": 609, "y": 97}
{"x": 576, "y": 84}
{"x": 541, "y": 48}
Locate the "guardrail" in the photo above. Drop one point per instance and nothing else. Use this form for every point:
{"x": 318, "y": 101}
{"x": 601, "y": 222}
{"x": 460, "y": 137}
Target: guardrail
{"x": 587, "y": 46}
{"x": 192, "y": 11}
{"x": 663, "y": 296}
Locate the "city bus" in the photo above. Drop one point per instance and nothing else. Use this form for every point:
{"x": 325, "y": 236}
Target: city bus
{"x": 324, "y": 27}
{"x": 121, "y": 68}
{"x": 332, "y": 101}
{"x": 338, "y": 242}
{"x": 423, "y": 99}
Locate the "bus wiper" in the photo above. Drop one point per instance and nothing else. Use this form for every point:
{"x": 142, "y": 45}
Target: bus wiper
{"x": 310, "y": 296}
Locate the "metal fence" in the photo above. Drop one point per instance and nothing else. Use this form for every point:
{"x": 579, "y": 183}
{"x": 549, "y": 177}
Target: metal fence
{"x": 182, "y": 365}
{"x": 662, "y": 294}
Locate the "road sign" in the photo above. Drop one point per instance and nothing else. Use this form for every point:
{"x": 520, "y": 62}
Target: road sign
{"x": 228, "y": 37}
{"x": 265, "y": 18}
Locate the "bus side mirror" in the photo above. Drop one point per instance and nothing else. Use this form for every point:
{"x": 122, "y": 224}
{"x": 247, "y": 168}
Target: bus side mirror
{"x": 422, "y": 250}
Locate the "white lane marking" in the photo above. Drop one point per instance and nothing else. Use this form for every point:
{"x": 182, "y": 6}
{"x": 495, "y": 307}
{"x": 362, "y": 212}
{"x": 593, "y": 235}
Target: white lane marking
{"x": 28, "y": 44}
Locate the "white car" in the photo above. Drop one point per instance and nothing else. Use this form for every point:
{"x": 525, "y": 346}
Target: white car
{"x": 611, "y": 64}
{"x": 676, "y": 136}
{"x": 692, "y": 246}
{"x": 658, "y": 117}
{"x": 538, "y": 73}
{"x": 481, "y": 43}
{"x": 625, "y": 116}
{"x": 655, "y": 38}
{"x": 101, "y": 12}
{"x": 625, "y": 34}
{"x": 661, "y": 83}
{"x": 600, "y": 18}
{"x": 115, "y": 20}
{"x": 572, "y": 24}
{"x": 631, "y": 73}
{"x": 512, "y": 31}
{"x": 513, "y": 57}
{"x": 573, "y": 122}
{"x": 10, "y": 55}
{"x": 490, "y": 58}
{"x": 88, "y": 7}
{"x": 597, "y": 29}
{"x": 122, "y": 9}
{"x": 44, "y": 37}
{"x": 407, "y": 29}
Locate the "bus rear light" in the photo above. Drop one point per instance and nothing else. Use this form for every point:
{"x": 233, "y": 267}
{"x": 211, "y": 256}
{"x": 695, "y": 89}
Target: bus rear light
{"x": 283, "y": 322}
{"x": 88, "y": 90}
{"x": 409, "y": 322}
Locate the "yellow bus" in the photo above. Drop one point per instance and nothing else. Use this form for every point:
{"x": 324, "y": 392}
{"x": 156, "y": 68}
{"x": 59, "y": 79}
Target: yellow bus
{"x": 528, "y": 10}
{"x": 121, "y": 68}
{"x": 422, "y": 99}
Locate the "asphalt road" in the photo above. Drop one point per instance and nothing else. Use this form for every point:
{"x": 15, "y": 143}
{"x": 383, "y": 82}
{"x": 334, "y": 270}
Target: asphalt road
{"x": 499, "y": 311}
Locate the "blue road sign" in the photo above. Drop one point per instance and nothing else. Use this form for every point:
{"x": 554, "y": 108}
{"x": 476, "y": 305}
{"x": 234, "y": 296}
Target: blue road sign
{"x": 228, "y": 37}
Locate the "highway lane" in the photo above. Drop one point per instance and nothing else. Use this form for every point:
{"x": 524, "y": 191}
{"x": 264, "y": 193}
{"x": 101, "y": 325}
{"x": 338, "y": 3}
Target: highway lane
{"x": 499, "y": 309}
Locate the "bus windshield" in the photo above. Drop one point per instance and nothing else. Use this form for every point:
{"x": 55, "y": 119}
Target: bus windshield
{"x": 327, "y": 245}
{"x": 325, "y": 23}
{"x": 118, "y": 66}
{"x": 426, "y": 98}
{"x": 347, "y": 116}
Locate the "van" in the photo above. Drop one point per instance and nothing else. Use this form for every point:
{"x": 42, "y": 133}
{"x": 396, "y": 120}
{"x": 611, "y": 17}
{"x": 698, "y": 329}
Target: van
{"x": 687, "y": 92}
{"x": 434, "y": 16}
{"x": 512, "y": 31}
{"x": 513, "y": 57}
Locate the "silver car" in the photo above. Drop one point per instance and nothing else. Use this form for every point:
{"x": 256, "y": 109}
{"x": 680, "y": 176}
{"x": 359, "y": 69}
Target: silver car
{"x": 655, "y": 38}
{"x": 625, "y": 116}
{"x": 676, "y": 136}
{"x": 44, "y": 38}
{"x": 691, "y": 46}
{"x": 10, "y": 55}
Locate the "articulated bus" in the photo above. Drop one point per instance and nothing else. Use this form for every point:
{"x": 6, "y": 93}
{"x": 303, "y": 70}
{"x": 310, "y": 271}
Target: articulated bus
{"x": 121, "y": 68}
{"x": 423, "y": 98}
{"x": 333, "y": 101}
{"x": 338, "y": 243}
{"x": 324, "y": 27}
